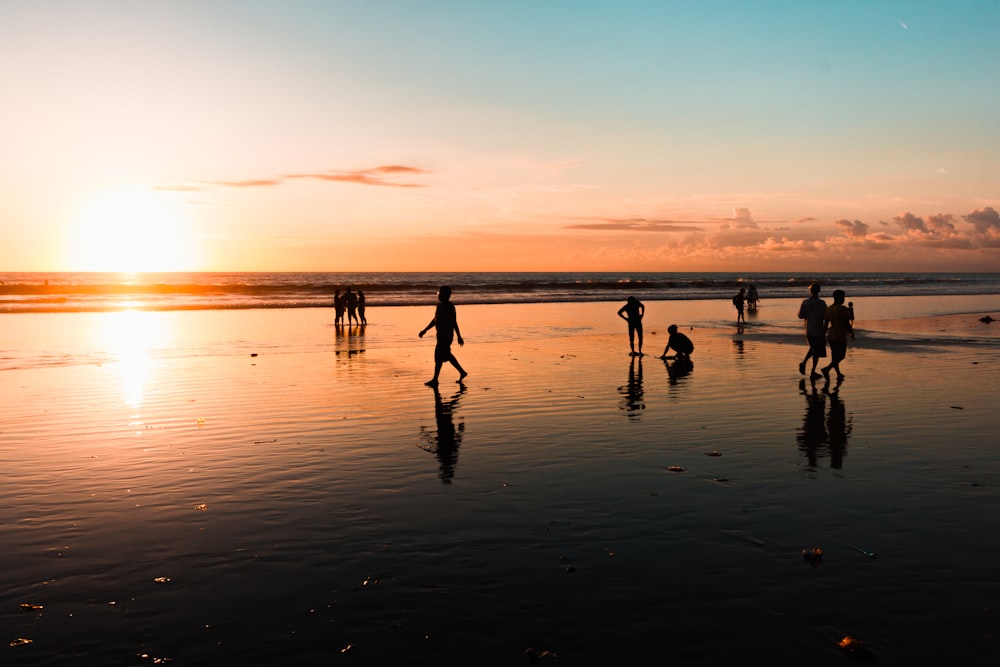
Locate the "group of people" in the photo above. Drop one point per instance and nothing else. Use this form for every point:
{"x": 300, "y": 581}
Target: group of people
{"x": 833, "y": 324}
{"x": 351, "y": 303}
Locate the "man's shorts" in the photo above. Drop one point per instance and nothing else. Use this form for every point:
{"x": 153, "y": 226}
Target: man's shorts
{"x": 817, "y": 345}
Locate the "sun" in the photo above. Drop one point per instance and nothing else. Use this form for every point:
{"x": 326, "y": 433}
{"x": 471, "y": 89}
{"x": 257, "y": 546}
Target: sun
{"x": 131, "y": 229}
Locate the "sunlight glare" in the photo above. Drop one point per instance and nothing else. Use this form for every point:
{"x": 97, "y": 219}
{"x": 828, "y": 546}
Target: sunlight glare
{"x": 129, "y": 335}
{"x": 130, "y": 230}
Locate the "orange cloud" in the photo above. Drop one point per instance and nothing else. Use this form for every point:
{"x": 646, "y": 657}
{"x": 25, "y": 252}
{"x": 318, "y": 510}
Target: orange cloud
{"x": 637, "y": 225}
{"x": 382, "y": 175}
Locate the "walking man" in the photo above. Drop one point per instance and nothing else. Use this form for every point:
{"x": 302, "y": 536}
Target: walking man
{"x": 813, "y": 311}
{"x": 446, "y": 323}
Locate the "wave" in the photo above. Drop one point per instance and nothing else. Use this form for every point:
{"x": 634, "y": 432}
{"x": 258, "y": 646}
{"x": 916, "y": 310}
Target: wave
{"x": 83, "y": 292}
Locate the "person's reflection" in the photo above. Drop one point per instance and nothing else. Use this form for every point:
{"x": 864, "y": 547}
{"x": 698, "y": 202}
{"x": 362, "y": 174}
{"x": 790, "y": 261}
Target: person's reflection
{"x": 838, "y": 428}
{"x": 632, "y": 393}
{"x": 349, "y": 341}
{"x": 812, "y": 435}
{"x": 678, "y": 368}
{"x": 443, "y": 441}
{"x": 823, "y": 428}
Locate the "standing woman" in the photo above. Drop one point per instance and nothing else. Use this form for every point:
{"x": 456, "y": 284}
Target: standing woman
{"x": 632, "y": 312}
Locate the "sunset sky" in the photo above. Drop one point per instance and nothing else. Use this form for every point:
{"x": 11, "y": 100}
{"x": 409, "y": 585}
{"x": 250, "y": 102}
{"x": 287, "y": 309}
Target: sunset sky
{"x": 507, "y": 135}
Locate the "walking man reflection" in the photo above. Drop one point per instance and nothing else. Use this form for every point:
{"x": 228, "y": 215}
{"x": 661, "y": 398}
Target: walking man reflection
{"x": 446, "y": 437}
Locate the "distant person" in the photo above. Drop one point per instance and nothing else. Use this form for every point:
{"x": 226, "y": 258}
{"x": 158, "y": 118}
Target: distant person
{"x": 850, "y": 306}
{"x": 352, "y": 306}
{"x": 361, "y": 307}
{"x": 446, "y": 323}
{"x": 739, "y": 302}
{"x": 813, "y": 310}
{"x": 752, "y": 297}
{"x": 632, "y": 312}
{"x": 837, "y": 323}
{"x": 338, "y": 308}
{"x": 682, "y": 345}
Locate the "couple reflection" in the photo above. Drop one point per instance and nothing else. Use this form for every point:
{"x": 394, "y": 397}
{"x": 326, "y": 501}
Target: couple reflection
{"x": 444, "y": 439}
{"x": 824, "y": 427}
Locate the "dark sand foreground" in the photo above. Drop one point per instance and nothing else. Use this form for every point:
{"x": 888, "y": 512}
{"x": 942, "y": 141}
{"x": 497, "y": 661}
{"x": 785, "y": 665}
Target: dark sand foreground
{"x": 168, "y": 495}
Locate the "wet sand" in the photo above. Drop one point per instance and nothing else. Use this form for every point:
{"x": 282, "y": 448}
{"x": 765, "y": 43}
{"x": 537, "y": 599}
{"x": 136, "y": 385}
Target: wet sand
{"x": 255, "y": 487}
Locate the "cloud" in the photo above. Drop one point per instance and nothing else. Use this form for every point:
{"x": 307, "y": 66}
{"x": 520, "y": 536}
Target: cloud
{"x": 384, "y": 175}
{"x": 910, "y": 222}
{"x": 985, "y": 222}
{"x": 637, "y": 225}
{"x": 375, "y": 176}
{"x": 255, "y": 183}
{"x": 854, "y": 228}
{"x": 742, "y": 219}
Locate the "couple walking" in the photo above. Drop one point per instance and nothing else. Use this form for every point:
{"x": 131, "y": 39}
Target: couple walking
{"x": 834, "y": 323}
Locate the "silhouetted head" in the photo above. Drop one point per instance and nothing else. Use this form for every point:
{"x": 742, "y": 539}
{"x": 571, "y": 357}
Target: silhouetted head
{"x": 838, "y": 296}
{"x": 444, "y": 293}
{"x": 814, "y": 288}
{"x": 631, "y": 299}
{"x": 672, "y": 329}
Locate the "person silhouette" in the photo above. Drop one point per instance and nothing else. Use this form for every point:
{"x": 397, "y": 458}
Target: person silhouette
{"x": 446, "y": 323}
{"x": 837, "y": 323}
{"x": 739, "y": 302}
{"x": 351, "y": 299}
{"x": 338, "y": 308}
{"x": 361, "y": 307}
{"x": 632, "y": 312}
{"x": 752, "y": 298}
{"x": 683, "y": 347}
{"x": 812, "y": 310}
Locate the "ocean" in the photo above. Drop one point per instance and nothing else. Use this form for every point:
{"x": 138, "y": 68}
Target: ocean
{"x": 95, "y": 292}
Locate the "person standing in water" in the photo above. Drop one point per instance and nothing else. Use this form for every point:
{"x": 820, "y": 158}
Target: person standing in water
{"x": 739, "y": 301}
{"x": 632, "y": 312}
{"x": 351, "y": 299}
{"x": 361, "y": 308}
{"x": 338, "y": 308}
{"x": 446, "y": 323}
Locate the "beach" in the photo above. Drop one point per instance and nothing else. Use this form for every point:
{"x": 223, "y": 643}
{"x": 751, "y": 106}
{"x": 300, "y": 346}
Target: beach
{"x": 260, "y": 487}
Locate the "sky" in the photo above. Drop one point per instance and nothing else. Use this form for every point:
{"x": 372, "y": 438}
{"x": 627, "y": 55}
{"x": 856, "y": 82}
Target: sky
{"x": 513, "y": 135}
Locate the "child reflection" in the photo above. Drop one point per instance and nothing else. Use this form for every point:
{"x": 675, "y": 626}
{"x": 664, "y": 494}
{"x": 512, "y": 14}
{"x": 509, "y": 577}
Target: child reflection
{"x": 823, "y": 428}
{"x": 443, "y": 441}
{"x": 632, "y": 392}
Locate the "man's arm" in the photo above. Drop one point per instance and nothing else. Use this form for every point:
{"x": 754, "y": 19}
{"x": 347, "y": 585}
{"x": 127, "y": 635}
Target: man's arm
{"x": 430, "y": 325}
